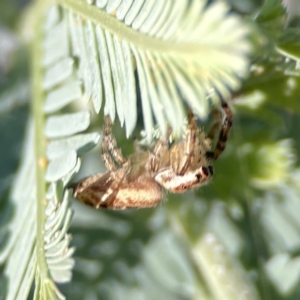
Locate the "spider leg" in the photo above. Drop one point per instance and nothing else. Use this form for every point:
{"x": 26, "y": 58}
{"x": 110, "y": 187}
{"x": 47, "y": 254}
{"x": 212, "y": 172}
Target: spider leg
{"x": 225, "y": 130}
{"x": 106, "y": 157}
{"x": 108, "y": 162}
{"x": 160, "y": 147}
{"x": 109, "y": 149}
{"x": 184, "y": 159}
{"x": 217, "y": 116}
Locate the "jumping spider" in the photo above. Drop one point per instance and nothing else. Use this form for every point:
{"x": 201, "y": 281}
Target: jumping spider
{"x": 140, "y": 179}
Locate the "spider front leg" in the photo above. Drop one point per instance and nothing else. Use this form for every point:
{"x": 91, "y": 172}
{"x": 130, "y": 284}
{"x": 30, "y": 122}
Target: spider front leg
{"x": 182, "y": 154}
{"x": 217, "y": 116}
{"x": 160, "y": 149}
{"x": 224, "y": 131}
{"x": 109, "y": 150}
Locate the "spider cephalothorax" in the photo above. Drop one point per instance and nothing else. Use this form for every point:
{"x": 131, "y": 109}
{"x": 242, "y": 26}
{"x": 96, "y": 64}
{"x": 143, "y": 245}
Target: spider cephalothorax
{"x": 139, "y": 180}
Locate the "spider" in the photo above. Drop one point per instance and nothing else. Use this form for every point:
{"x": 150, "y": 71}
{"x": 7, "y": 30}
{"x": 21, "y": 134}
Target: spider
{"x": 139, "y": 180}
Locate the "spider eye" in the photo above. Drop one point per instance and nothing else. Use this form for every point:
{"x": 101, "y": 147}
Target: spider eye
{"x": 198, "y": 176}
{"x": 183, "y": 187}
{"x": 205, "y": 171}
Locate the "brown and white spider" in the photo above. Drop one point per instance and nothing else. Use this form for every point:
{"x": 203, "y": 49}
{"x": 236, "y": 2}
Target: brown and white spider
{"x": 140, "y": 179}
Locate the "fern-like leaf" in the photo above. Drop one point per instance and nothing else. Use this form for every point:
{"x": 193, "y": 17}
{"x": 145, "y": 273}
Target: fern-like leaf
{"x": 180, "y": 52}
{"x": 20, "y": 265}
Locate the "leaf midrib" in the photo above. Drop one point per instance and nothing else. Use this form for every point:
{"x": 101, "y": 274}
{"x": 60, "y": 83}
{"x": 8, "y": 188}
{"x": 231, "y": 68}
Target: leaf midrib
{"x": 140, "y": 40}
{"x": 39, "y": 138}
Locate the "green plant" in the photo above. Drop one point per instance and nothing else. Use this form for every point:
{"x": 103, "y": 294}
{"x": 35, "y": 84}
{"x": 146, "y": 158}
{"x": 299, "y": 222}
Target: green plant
{"x": 237, "y": 236}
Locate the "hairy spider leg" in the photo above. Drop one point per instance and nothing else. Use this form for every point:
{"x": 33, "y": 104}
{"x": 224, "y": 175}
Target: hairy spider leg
{"x": 217, "y": 116}
{"x": 188, "y": 146}
{"x": 106, "y": 157}
{"x": 224, "y": 131}
{"x": 160, "y": 147}
{"x": 116, "y": 152}
{"x": 111, "y": 153}
{"x": 110, "y": 149}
